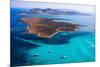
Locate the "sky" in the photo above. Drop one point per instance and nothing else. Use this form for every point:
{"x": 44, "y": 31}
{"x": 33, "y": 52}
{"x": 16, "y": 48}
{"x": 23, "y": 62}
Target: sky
{"x": 30, "y": 4}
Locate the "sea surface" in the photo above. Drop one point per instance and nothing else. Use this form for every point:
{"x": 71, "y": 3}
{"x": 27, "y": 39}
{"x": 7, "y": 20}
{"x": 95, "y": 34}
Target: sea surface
{"x": 64, "y": 47}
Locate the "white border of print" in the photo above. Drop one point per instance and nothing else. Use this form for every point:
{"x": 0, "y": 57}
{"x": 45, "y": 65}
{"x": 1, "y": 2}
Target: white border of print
{"x": 5, "y": 33}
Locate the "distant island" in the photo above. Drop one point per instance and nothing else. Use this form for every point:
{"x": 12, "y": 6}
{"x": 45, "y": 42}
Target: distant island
{"x": 50, "y": 11}
{"x": 47, "y": 27}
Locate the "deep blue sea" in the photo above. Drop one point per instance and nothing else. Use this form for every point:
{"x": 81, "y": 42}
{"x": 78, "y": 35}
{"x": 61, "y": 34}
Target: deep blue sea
{"x": 64, "y": 47}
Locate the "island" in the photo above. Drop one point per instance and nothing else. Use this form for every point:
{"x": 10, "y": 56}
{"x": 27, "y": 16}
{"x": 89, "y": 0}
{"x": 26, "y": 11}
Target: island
{"x": 46, "y": 28}
{"x": 51, "y": 11}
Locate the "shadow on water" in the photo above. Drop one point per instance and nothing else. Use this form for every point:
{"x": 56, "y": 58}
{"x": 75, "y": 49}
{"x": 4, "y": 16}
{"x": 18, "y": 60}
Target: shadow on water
{"x": 61, "y": 38}
{"x": 22, "y": 44}
{"x": 57, "y": 39}
{"x": 19, "y": 51}
{"x": 18, "y": 57}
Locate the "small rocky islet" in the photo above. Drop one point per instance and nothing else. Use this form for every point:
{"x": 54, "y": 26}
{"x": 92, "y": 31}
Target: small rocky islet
{"x": 46, "y": 28}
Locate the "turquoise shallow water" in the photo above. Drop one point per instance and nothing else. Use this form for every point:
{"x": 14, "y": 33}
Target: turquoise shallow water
{"x": 64, "y": 47}
{"x": 79, "y": 49}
